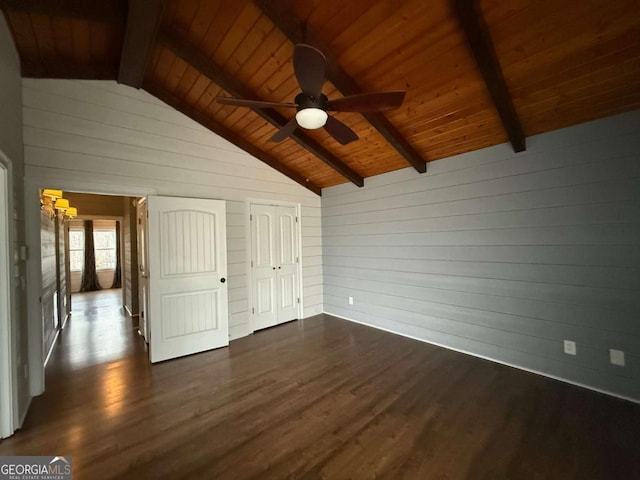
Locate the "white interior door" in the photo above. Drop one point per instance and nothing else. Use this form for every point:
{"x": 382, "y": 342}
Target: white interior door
{"x": 264, "y": 266}
{"x": 287, "y": 256}
{"x": 187, "y": 273}
{"x": 274, "y": 258}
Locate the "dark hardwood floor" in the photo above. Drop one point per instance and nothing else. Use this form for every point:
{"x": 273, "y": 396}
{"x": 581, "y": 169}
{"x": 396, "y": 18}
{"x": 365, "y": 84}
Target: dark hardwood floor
{"x": 91, "y": 302}
{"x": 319, "y": 398}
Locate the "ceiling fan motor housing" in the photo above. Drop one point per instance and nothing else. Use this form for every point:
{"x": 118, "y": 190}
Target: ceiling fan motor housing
{"x": 311, "y": 111}
{"x": 309, "y": 101}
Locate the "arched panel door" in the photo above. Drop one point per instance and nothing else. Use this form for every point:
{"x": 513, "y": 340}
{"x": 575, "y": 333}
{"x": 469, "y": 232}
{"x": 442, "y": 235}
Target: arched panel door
{"x": 187, "y": 276}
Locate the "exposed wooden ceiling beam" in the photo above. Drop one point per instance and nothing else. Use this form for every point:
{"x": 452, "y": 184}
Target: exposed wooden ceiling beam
{"x": 207, "y": 67}
{"x": 298, "y": 32}
{"x": 481, "y": 46}
{"x": 143, "y": 21}
{"x": 67, "y": 70}
{"x": 99, "y": 11}
{"x": 231, "y": 136}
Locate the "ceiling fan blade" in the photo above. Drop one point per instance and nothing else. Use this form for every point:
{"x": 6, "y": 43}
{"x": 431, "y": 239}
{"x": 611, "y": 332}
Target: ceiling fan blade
{"x": 368, "y": 102}
{"x": 340, "y": 131}
{"x": 241, "y": 102}
{"x": 286, "y": 130}
{"x": 309, "y": 66}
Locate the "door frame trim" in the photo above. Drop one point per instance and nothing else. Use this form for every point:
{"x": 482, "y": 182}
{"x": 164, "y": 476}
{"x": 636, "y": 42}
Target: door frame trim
{"x": 8, "y": 360}
{"x": 249, "y": 249}
{"x": 143, "y": 326}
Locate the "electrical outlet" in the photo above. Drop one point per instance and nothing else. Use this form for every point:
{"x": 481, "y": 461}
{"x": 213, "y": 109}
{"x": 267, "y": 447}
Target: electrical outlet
{"x": 350, "y": 300}
{"x": 569, "y": 347}
{"x": 616, "y": 357}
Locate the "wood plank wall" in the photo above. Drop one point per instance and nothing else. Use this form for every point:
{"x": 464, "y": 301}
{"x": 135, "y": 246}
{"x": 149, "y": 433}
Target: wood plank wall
{"x": 112, "y": 137}
{"x": 130, "y": 255}
{"x": 61, "y": 271}
{"x": 503, "y": 255}
{"x": 12, "y": 148}
{"x": 48, "y": 265}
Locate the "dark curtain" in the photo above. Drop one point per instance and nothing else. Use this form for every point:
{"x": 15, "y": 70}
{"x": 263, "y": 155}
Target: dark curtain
{"x": 117, "y": 275}
{"x": 89, "y": 274}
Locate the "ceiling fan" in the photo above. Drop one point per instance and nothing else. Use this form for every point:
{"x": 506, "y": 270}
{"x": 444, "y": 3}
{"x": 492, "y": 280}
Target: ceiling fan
{"x": 309, "y": 66}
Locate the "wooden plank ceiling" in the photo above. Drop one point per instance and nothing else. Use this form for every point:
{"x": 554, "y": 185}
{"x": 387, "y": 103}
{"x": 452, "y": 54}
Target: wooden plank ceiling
{"x": 476, "y": 73}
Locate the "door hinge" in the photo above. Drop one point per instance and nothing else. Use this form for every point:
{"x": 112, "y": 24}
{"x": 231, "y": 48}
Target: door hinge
{"x": 296, "y": 219}
{"x": 251, "y": 263}
{"x": 250, "y": 217}
{"x": 297, "y": 259}
{"x": 298, "y": 299}
{"x": 253, "y": 310}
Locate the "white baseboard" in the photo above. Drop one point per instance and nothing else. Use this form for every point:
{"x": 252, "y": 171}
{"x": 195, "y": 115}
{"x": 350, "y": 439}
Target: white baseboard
{"x": 53, "y": 344}
{"x": 537, "y": 372}
{"x": 239, "y": 331}
{"x": 64, "y": 322}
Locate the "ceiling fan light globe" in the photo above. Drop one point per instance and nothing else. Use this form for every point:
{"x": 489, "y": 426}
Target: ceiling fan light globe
{"x": 311, "y": 118}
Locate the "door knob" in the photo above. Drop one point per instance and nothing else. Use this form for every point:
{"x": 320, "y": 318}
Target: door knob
{"x": 222, "y": 280}
{"x": 274, "y": 268}
{"x": 279, "y": 268}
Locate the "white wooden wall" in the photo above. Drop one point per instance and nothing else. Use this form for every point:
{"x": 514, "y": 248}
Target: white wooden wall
{"x": 12, "y": 159}
{"x": 502, "y": 255}
{"x": 112, "y": 139}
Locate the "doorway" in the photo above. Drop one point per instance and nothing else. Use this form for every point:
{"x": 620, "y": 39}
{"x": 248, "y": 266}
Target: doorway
{"x": 105, "y": 260}
{"x": 91, "y": 278}
{"x": 90, "y": 205}
{"x": 87, "y": 251}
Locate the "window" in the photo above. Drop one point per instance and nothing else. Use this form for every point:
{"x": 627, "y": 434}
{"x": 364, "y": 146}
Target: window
{"x": 104, "y": 242}
{"x": 105, "y": 247}
{"x": 76, "y": 250}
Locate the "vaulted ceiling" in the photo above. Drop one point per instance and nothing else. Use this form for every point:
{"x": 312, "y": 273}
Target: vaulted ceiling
{"x": 477, "y": 73}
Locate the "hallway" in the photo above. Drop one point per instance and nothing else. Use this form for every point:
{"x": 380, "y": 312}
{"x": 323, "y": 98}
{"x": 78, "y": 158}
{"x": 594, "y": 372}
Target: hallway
{"x": 96, "y": 302}
{"x": 97, "y": 357}
{"x": 98, "y": 331}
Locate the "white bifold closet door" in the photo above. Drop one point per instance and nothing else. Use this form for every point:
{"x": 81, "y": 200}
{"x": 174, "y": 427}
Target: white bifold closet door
{"x": 274, "y": 264}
